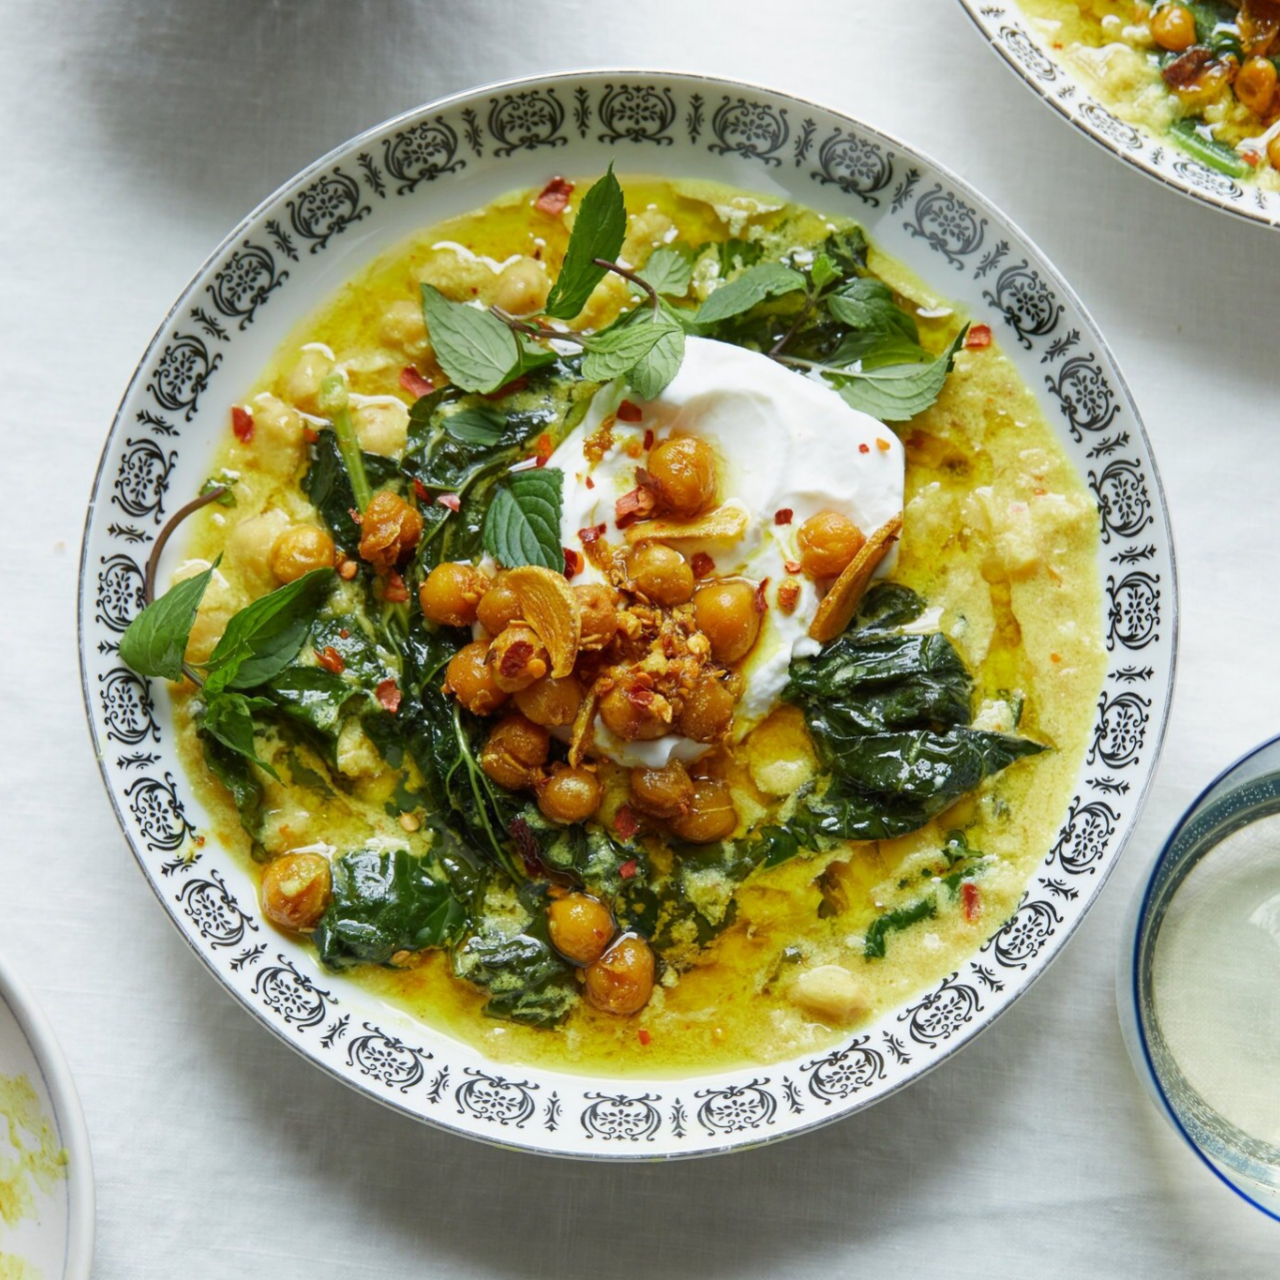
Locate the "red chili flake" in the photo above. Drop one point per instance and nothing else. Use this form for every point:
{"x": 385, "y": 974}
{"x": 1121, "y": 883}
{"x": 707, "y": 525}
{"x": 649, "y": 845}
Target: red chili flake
{"x": 1251, "y": 158}
{"x": 970, "y": 900}
{"x": 1055, "y": 657}
{"x": 761, "y": 604}
{"x": 450, "y": 500}
{"x": 793, "y": 566}
{"x": 864, "y": 448}
{"x": 644, "y": 1037}
{"x": 788, "y": 596}
{"x": 572, "y": 562}
{"x": 628, "y": 411}
{"x": 625, "y": 822}
{"x": 639, "y": 696}
{"x": 783, "y": 515}
{"x": 421, "y": 490}
{"x": 979, "y": 336}
{"x": 355, "y": 515}
{"x": 591, "y": 484}
{"x": 527, "y": 845}
{"x": 330, "y": 659}
{"x": 414, "y": 383}
{"x": 628, "y": 869}
{"x": 594, "y": 534}
{"x": 242, "y": 424}
{"x": 701, "y": 564}
{"x": 388, "y": 693}
{"x": 345, "y": 634}
{"x": 634, "y": 506}
{"x": 516, "y": 384}
{"x": 310, "y": 435}
{"x": 199, "y": 842}
{"x": 648, "y": 439}
{"x": 544, "y": 449}
{"x": 555, "y": 196}
{"x": 395, "y": 592}
{"x": 515, "y": 658}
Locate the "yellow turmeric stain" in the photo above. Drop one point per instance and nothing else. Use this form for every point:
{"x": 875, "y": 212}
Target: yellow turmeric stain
{"x": 31, "y": 1161}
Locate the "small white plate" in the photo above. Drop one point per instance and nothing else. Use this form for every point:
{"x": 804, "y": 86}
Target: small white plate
{"x": 58, "y": 1239}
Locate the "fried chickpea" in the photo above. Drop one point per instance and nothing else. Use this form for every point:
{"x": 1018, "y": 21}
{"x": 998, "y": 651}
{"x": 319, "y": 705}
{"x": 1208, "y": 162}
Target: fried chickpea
{"x": 662, "y": 793}
{"x": 621, "y": 981}
{"x": 1255, "y": 84}
{"x": 707, "y": 710}
{"x": 499, "y": 607}
{"x": 518, "y": 658}
{"x": 1273, "y": 152}
{"x": 299, "y": 550}
{"x": 580, "y": 927}
{"x": 662, "y": 574}
{"x": 515, "y": 752}
{"x": 570, "y": 794}
{"x": 828, "y": 542}
{"x": 450, "y": 594}
{"x": 296, "y": 889}
{"x": 1173, "y": 27}
{"x": 726, "y": 614}
{"x": 470, "y": 679}
{"x": 599, "y": 608}
{"x": 711, "y": 815}
{"x": 634, "y": 712}
{"x": 389, "y": 530}
{"x": 553, "y": 701}
{"x": 683, "y": 473}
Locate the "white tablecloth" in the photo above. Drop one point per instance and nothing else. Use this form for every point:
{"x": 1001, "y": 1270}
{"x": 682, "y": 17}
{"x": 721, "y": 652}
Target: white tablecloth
{"x": 133, "y": 134}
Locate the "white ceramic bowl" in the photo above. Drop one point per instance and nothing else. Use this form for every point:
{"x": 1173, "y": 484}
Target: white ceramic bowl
{"x": 458, "y": 154}
{"x": 58, "y": 1239}
{"x": 1041, "y": 68}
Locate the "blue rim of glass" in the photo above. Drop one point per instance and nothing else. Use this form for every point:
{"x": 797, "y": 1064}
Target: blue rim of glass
{"x": 1133, "y": 986}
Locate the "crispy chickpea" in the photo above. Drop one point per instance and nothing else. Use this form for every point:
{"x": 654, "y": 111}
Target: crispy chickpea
{"x": 499, "y": 607}
{"x": 1255, "y": 84}
{"x": 1173, "y": 27}
{"x": 470, "y": 679}
{"x": 707, "y": 710}
{"x": 726, "y": 614}
{"x": 711, "y": 815}
{"x": 450, "y": 594}
{"x": 828, "y": 542}
{"x": 662, "y": 574}
{"x": 580, "y": 927}
{"x": 662, "y": 793}
{"x": 553, "y": 701}
{"x": 635, "y": 713}
{"x": 518, "y": 658}
{"x": 683, "y": 471}
{"x": 295, "y": 890}
{"x": 570, "y": 794}
{"x": 389, "y": 530}
{"x": 621, "y": 981}
{"x": 299, "y": 550}
{"x": 599, "y": 605}
{"x": 1273, "y": 152}
{"x": 515, "y": 752}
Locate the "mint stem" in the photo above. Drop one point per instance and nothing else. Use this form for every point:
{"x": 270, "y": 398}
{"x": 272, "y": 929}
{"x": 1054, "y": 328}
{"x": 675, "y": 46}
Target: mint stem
{"x": 635, "y": 279}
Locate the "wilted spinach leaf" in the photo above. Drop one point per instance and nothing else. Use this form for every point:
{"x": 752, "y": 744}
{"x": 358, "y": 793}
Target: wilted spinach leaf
{"x": 892, "y": 921}
{"x": 328, "y": 486}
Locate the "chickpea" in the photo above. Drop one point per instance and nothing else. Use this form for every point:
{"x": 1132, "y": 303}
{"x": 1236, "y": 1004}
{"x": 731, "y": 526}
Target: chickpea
{"x": 302, "y": 386}
{"x": 1255, "y": 84}
{"x": 518, "y": 658}
{"x": 621, "y": 981}
{"x": 683, "y": 471}
{"x": 389, "y": 530}
{"x": 1273, "y": 152}
{"x": 662, "y": 793}
{"x": 522, "y": 287}
{"x": 470, "y": 679}
{"x": 450, "y": 594}
{"x": 250, "y": 544}
{"x": 828, "y": 542}
{"x": 707, "y": 711}
{"x": 662, "y": 574}
{"x": 553, "y": 701}
{"x": 382, "y": 427}
{"x": 278, "y": 436}
{"x": 299, "y": 550}
{"x": 499, "y": 607}
{"x": 599, "y": 605}
{"x": 296, "y": 889}
{"x": 711, "y": 815}
{"x": 726, "y": 614}
{"x": 635, "y": 713}
{"x": 1173, "y": 27}
{"x": 515, "y": 752}
{"x": 580, "y": 927}
{"x": 403, "y": 326}
{"x": 570, "y": 794}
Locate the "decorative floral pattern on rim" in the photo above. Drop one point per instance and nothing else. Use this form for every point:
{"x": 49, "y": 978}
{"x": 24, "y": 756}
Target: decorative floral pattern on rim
{"x": 740, "y": 126}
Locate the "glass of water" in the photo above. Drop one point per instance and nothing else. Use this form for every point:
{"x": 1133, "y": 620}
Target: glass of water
{"x": 1199, "y": 988}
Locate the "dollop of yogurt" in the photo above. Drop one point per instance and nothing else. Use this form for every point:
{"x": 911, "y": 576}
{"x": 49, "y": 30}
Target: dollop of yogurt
{"x": 783, "y": 444}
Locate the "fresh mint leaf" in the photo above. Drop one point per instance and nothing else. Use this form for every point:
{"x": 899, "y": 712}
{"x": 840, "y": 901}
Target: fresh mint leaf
{"x": 228, "y": 717}
{"x": 824, "y": 271}
{"x": 654, "y": 370}
{"x": 896, "y": 392}
{"x": 598, "y": 232}
{"x": 669, "y": 270}
{"x": 768, "y": 280}
{"x": 868, "y": 305}
{"x": 479, "y": 426}
{"x": 612, "y": 353}
{"x": 476, "y": 350}
{"x": 155, "y": 641}
{"x": 265, "y": 636}
{"x": 522, "y": 525}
